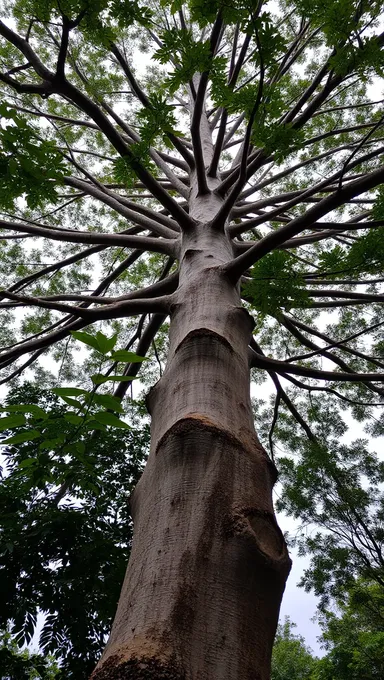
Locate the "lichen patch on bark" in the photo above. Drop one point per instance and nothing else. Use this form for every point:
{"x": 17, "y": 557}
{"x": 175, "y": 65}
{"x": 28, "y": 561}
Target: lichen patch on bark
{"x": 138, "y": 668}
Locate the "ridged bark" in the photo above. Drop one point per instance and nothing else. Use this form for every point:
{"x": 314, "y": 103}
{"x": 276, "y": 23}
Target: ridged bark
{"x": 208, "y": 566}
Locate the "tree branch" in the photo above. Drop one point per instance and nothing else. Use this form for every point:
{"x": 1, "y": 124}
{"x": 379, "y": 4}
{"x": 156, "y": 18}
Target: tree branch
{"x": 282, "y": 367}
{"x": 153, "y": 244}
{"x": 240, "y": 264}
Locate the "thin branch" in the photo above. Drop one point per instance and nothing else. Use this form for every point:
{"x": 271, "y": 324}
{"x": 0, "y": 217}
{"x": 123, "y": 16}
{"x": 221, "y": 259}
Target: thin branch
{"x": 254, "y": 346}
{"x": 340, "y": 344}
{"x": 329, "y": 390}
{"x": 116, "y": 309}
{"x": 140, "y": 94}
{"x": 133, "y": 216}
{"x": 142, "y": 348}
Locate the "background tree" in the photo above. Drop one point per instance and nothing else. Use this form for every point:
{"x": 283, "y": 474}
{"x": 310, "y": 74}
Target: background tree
{"x": 17, "y": 665}
{"x": 335, "y": 491}
{"x": 355, "y": 637}
{"x": 65, "y": 556}
{"x": 291, "y": 658}
{"x": 250, "y": 158}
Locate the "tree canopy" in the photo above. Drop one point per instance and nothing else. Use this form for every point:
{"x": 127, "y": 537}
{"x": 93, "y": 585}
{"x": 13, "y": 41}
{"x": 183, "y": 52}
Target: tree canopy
{"x": 65, "y": 559}
{"x": 297, "y": 159}
{"x": 291, "y": 658}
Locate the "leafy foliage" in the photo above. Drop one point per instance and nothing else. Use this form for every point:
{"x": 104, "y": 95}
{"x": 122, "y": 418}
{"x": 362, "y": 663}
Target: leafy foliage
{"x": 65, "y": 530}
{"x": 276, "y": 284}
{"x": 30, "y": 167}
{"x": 100, "y": 20}
{"x": 365, "y": 256}
{"x": 291, "y": 658}
{"x": 355, "y": 637}
{"x": 337, "y": 488}
{"x": 293, "y": 78}
{"x": 22, "y": 665}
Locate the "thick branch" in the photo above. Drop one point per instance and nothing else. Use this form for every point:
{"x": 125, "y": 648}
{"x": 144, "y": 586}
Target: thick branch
{"x": 240, "y": 264}
{"x": 133, "y": 216}
{"x": 140, "y": 94}
{"x": 155, "y": 245}
{"x": 282, "y": 367}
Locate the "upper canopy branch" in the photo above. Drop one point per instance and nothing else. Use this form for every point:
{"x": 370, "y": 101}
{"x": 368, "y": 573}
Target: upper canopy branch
{"x": 156, "y": 245}
{"x": 239, "y": 265}
{"x": 57, "y": 83}
{"x": 283, "y": 367}
{"x": 114, "y": 307}
{"x": 145, "y": 101}
{"x": 109, "y": 199}
{"x": 341, "y": 344}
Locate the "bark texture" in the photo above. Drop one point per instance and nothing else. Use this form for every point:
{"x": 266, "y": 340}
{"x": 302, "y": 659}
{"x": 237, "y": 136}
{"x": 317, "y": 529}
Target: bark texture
{"x": 208, "y": 566}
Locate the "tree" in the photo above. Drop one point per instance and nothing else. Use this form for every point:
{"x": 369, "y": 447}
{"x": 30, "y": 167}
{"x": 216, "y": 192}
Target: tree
{"x": 291, "y": 658}
{"x": 243, "y": 176}
{"x": 336, "y": 494}
{"x": 64, "y": 556}
{"x": 355, "y": 638}
{"x": 16, "y": 665}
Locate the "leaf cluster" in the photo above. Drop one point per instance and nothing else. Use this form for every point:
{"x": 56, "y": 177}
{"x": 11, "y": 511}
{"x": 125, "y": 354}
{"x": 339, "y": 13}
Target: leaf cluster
{"x": 291, "y": 658}
{"x": 191, "y": 56}
{"x": 354, "y": 636}
{"x": 100, "y": 20}
{"x": 276, "y": 283}
{"x": 22, "y": 665}
{"x": 364, "y": 256}
{"x": 30, "y": 167}
{"x": 65, "y": 532}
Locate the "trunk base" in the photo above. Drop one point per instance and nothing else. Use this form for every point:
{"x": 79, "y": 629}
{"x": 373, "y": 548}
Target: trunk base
{"x": 138, "y": 668}
{"x": 208, "y": 565}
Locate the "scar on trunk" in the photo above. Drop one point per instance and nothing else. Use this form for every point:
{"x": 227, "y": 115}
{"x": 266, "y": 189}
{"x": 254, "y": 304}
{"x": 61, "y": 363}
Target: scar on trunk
{"x": 261, "y": 528}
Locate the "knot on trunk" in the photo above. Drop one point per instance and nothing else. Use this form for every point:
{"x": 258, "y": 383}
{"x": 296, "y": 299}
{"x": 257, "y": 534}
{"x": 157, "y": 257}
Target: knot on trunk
{"x": 261, "y": 531}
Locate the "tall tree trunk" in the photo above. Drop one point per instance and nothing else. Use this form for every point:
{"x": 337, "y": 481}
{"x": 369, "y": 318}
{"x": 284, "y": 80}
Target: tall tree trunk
{"x": 208, "y": 566}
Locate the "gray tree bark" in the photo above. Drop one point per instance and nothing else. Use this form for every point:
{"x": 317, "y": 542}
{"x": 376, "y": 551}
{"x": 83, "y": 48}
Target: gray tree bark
{"x": 208, "y": 566}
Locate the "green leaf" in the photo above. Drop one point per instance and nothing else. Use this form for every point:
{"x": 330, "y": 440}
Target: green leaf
{"x": 52, "y": 443}
{"x": 73, "y": 402}
{"x": 9, "y": 422}
{"x": 69, "y": 391}
{"x": 99, "y": 342}
{"x": 127, "y": 357}
{"x": 73, "y": 418}
{"x": 99, "y": 379}
{"x": 80, "y": 447}
{"x": 94, "y": 425}
{"x": 105, "y": 344}
{"x": 25, "y": 408}
{"x": 22, "y": 437}
{"x": 28, "y": 462}
{"x": 94, "y": 488}
{"x": 87, "y": 339}
{"x": 109, "y": 419}
{"x": 108, "y": 401}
